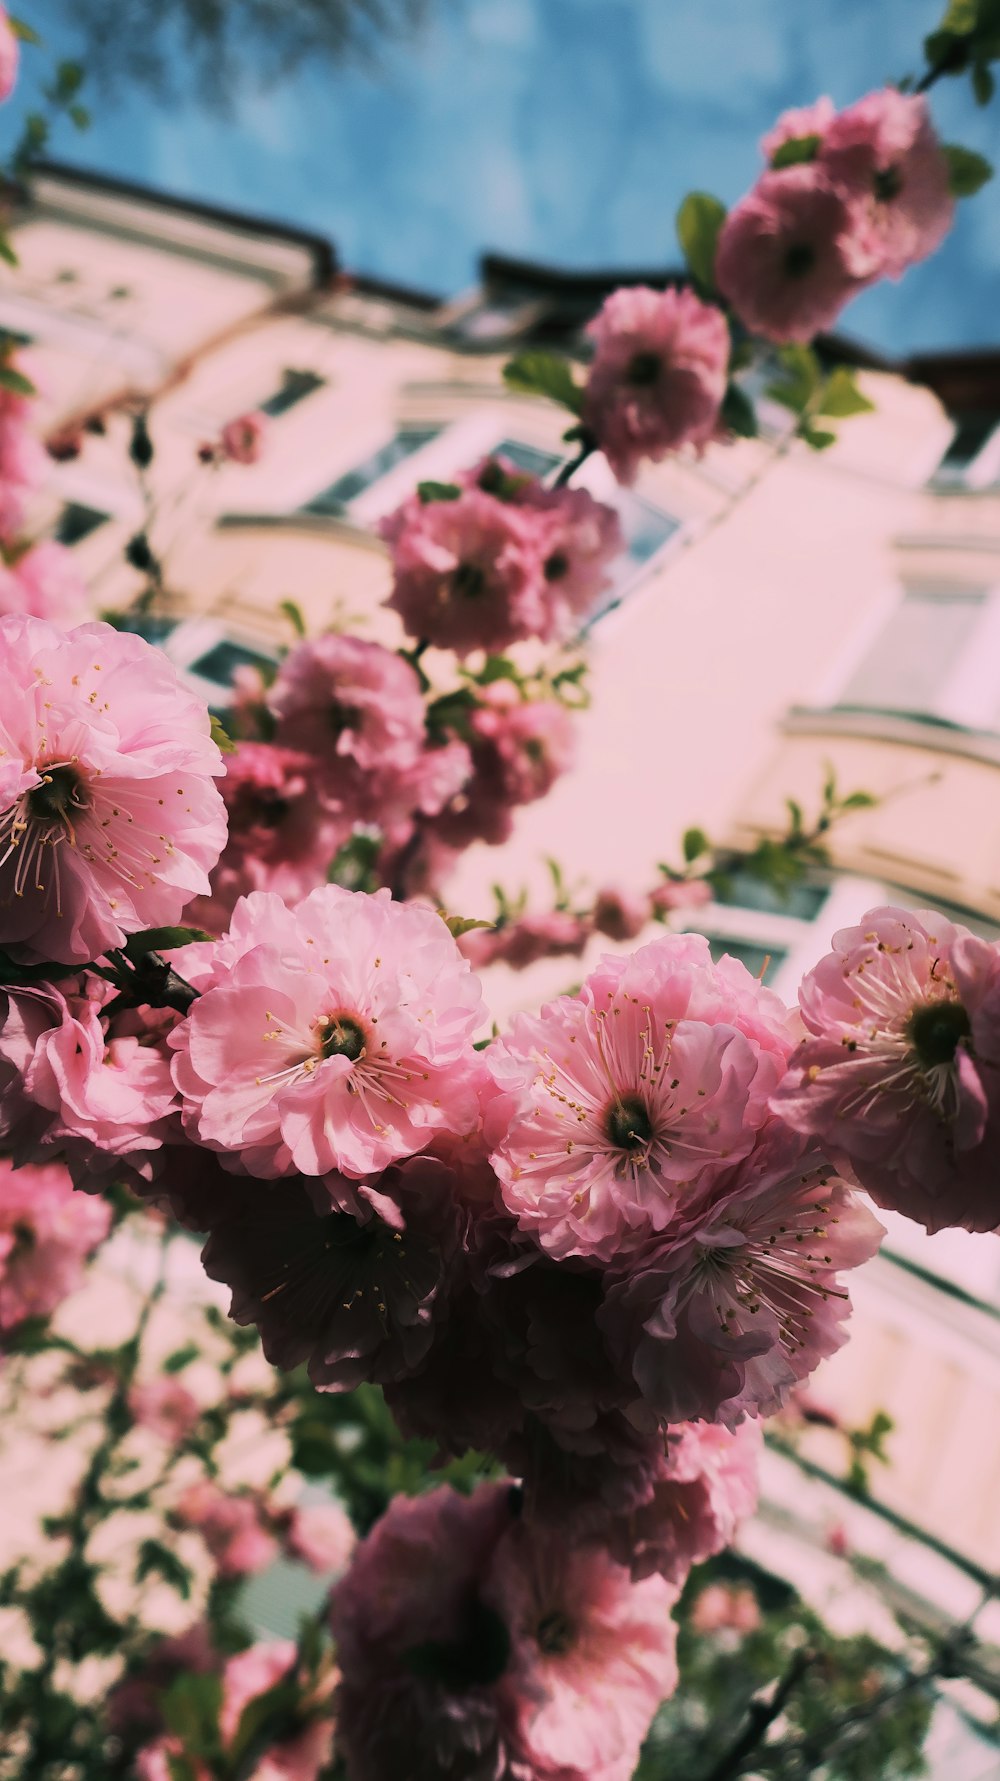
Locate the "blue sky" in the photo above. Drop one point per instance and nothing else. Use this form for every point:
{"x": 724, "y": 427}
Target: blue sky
{"x": 563, "y": 130}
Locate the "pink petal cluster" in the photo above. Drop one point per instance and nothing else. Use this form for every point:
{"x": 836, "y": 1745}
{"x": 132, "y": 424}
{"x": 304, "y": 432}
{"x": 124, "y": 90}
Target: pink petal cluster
{"x": 705, "y": 1484}
{"x": 349, "y": 703}
{"x": 242, "y": 440}
{"x": 884, "y": 156}
{"x": 10, "y": 56}
{"x": 519, "y": 747}
{"x": 504, "y": 560}
{"x": 727, "y": 1313}
{"x": 784, "y": 256}
{"x": 45, "y": 583}
{"x": 110, "y": 819}
{"x": 297, "y": 1755}
{"x": 84, "y": 1084}
{"x": 234, "y": 1528}
{"x": 899, "y": 1074}
{"x": 870, "y": 198}
{"x": 280, "y": 839}
{"x": 335, "y": 1036}
{"x": 46, "y": 1234}
{"x": 470, "y": 1647}
{"x": 321, "y": 1535}
{"x": 165, "y": 1407}
{"x": 577, "y": 538}
{"x": 659, "y": 374}
{"x": 624, "y": 1103}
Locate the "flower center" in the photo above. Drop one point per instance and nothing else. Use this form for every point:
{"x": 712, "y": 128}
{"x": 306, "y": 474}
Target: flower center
{"x": 800, "y": 258}
{"x": 644, "y": 370}
{"x": 469, "y": 581}
{"x": 555, "y": 1633}
{"x": 936, "y": 1030}
{"x": 887, "y": 184}
{"x": 61, "y": 797}
{"x": 556, "y": 566}
{"x": 340, "y": 1036}
{"x": 342, "y": 717}
{"x": 629, "y": 1126}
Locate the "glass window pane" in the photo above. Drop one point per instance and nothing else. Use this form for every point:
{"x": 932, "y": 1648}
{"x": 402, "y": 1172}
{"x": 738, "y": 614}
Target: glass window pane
{"x": 910, "y": 663}
{"x": 221, "y": 661}
{"x": 971, "y": 434}
{"x": 347, "y": 488}
{"x": 528, "y": 457}
{"x": 761, "y": 961}
{"x": 77, "y": 521}
{"x": 296, "y": 385}
{"x": 742, "y": 890}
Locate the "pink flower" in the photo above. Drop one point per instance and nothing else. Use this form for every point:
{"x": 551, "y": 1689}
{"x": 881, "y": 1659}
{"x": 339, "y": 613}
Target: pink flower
{"x": 898, "y": 1074}
{"x": 346, "y": 701}
{"x": 232, "y": 1528}
{"x": 883, "y": 155}
{"x": 280, "y": 839}
{"x": 592, "y": 1655}
{"x": 658, "y": 377}
{"x": 557, "y": 933}
{"x": 46, "y": 1233}
{"x": 103, "y": 1083}
{"x": 705, "y": 1484}
{"x": 24, "y": 464}
{"x": 620, "y": 914}
{"x": 242, "y": 440}
{"x": 722, "y": 1320}
{"x": 254, "y": 1672}
{"x": 628, "y": 1100}
{"x": 420, "y": 1653}
{"x": 46, "y": 583}
{"x": 784, "y": 258}
{"x": 578, "y": 543}
{"x": 322, "y": 1536}
{"x": 10, "y": 56}
{"x": 351, "y": 1279}
{"x": 795, "y": 126}
{"x": 725, "y": 1607}
{"x": 468, "y": 573}
{"x": 519, "y": 748}
{"x": 165, "y": 1407}
{"x": 110, "y": 819}
{"x": 680, "y": 893}
{"x": 337, "y": 1035}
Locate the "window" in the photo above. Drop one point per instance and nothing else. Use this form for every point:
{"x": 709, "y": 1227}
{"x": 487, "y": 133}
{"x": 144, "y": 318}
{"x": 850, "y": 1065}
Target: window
{"x": 528, "y": 457}
{"x": 932, "y": 659}
{"x": 743, "y": 890}
{"x": 77, "y": 521}
{"x": 220, "y": 663}
{"x": 337, "y": 498}
{"x": 972, "y": 460}
{"x": 762, "y": 962}
{"x": 294, "y": 388}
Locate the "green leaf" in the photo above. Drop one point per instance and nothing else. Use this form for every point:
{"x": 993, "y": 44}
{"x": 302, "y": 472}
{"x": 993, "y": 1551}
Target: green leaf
{"x": 181, "y": 1358}
{"x": 498, "y": 668}
{"x": 190, "y": 1708}
{"x": 798, "y": 380}
{"x": 543, "y": 374}
{"x": 795, "y": 151}
{"x": 156, "y": 1559}
{"x": 841, "y": 396}
{"x": 69, "y": 79}
{"x": 960, "y": 17}
{"x": 695, "y": 842}
{"x": 161, "y": 940}
{"x": 24, "y": 31}
{"x": 355, "y": 863}
{"x": 80, "y": 117}
{"x": 458, "y": 925}
{"x": 983, "y": 84}
{"x": 270, "y": 1718}
{"x": 15, "y": 381}
{"x": 738, "y": 413}
{"x": 816, "y": 438}
{"x": 221, "y": 736}
{"x": 7, "y": 252}
{"x": 438, "y": 491}
{"x": 699, "y": 220}
{"x": 859, "y": 801}
{"x": 967, "y": 171}
{"x": 293, "y": 612}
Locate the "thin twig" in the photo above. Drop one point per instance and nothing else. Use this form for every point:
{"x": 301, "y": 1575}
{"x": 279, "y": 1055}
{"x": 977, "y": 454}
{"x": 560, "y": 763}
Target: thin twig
{"x": 761, "y": 1715}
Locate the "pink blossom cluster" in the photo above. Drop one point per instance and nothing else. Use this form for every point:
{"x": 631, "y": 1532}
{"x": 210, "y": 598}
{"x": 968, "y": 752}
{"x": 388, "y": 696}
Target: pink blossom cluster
{"x": 44, "y": 582}
{"x": 265, "y": 1690}
{"x": 499, "y": 559}
{"x": 46, "y": 1235}
{"x": 244, "y": 1532}
{"x": 849, "y": 197}
{"x": 23, "y": 462}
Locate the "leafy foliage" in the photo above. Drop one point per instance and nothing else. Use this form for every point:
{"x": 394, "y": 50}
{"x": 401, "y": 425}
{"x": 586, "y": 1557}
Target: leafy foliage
{"x": 699, "y": 222}
{"x": 544, "y": 374}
